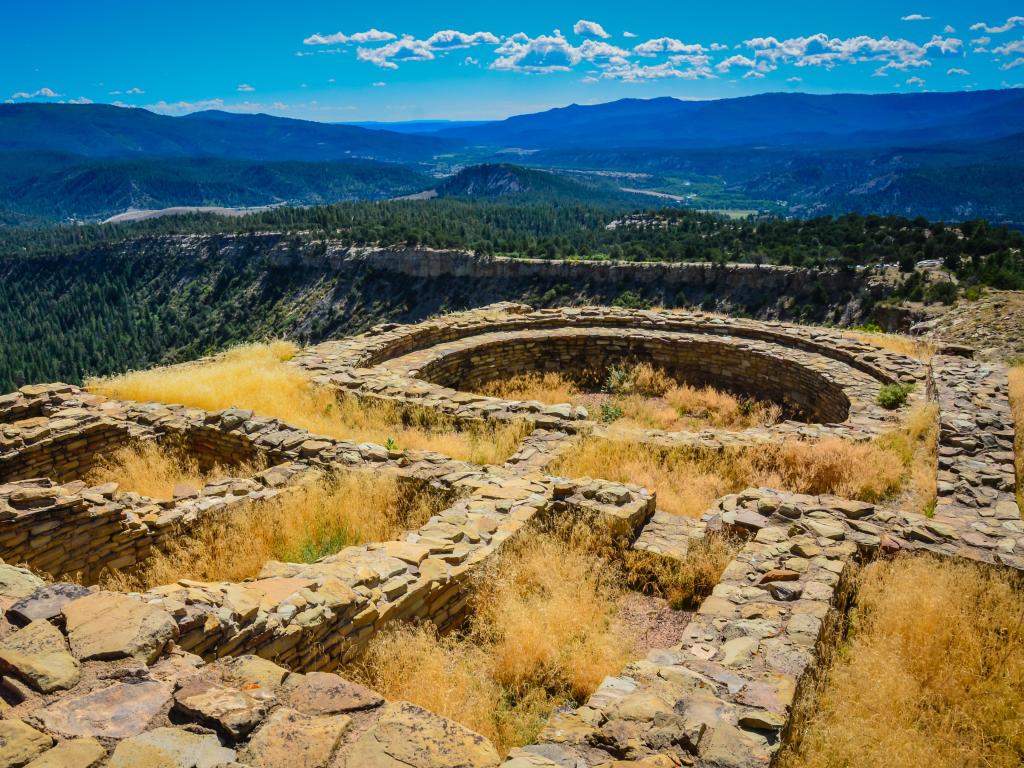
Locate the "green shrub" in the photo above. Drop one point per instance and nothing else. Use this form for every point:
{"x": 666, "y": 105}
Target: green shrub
{"x": 610, "y": 412}
{"x": 892, "y": 396}
{"x": 944, "y": 293}
{"x": 631, "y": 300}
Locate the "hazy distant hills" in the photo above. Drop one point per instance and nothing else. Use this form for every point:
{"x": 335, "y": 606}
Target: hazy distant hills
{"x": 948, "y": 156}
{"x": 103, "y": 131}
{"x": 775, "y": 119}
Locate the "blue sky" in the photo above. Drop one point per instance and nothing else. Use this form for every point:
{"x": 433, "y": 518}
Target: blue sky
{"x": 397, "y": 60}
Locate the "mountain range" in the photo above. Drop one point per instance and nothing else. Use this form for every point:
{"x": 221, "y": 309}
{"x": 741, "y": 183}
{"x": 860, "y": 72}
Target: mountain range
{"x": 943, "y": 155}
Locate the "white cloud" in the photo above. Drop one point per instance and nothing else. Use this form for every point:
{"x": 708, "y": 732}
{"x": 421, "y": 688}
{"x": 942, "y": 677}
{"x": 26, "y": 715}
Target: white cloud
{"x": 629, "y": 34}
{"x": 46, "y": 93}
{"x": 794, "y": 80}
{"x": 245, "y": 88}
{"x": 184, "y": 107}
{"x": 949, "y": 29}
{"x": 820, "y": 50}
{"x": 406, "y": 49}
{"x": 957, "y": 71}
{"x": 915, "y": 17}
{"x": 1011, "y": 22}
{"x": 540, "y": 55}
{"x": 470, "y": 61}
{"x": 753, "y": 73}
{"x": 631, "y": 72}
{"x": 380, "y": 84}
{"x": 1007, "y": 49}
{"x": 915, "y": 81}
{"x": 340, "y": 38}
{"x": 735, "y": 61}
{"x": 667, "y": 45}
{"x": 1019, "y": 61}
{"x": 590, "y": 29}
{"x": 594, "y": 49}
{"x": 80, "y": 100}
{"x": 448, "y": 39}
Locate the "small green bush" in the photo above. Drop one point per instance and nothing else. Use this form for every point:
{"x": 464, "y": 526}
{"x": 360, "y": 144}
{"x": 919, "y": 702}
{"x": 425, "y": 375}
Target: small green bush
{"x": 631, "y": 300}
{"x": 610, "y": 412}
{"x": 892, "y": 396}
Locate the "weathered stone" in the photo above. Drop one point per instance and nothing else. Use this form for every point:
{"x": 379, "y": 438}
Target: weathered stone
{"x": 38, "y": 654}
{"x": 322, "y": 693}
{"x": 293, "y": 739}
{"x": 16, "y": 583}
{"x": 76, "y": 753}
{"x": 19, "y": 743}
{"x": 171, "y": 748}
{"x": 233, "y": 712}
{"x": 47, "y": 602}
{"x": 107, "y": 625}
{"x": 406, "y": 736}
{"x": 115, "y": 712}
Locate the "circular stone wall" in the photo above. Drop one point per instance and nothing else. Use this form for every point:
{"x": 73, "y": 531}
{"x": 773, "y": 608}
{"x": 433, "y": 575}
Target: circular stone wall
{"x": 804, "y": 394}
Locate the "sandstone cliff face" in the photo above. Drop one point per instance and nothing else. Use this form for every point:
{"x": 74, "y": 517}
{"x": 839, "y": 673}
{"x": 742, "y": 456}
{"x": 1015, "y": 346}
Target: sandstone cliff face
{"x": 164, "y": 299}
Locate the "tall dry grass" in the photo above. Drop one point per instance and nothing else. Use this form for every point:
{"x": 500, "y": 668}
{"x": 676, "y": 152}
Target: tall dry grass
{"x": 647, "y": 396}
{"x": 688, "y": 480}
{"x": 542, "y": 634}
{"x": 156, "y": 470}
{"x": 316, "y": 518}
{"x": 920, "y": 349}
{"x": 933, "y": 674}
{"x": 256, "y": 377}
{"x": 682, "y": 583}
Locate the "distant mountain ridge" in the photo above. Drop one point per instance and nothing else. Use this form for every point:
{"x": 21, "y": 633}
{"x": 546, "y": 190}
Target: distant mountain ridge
{"x": 777, "y": 119}
{"x": 104, "y": 131}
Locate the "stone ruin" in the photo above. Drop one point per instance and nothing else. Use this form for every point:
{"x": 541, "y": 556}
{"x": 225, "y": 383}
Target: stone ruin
{"x": 240, "y": 674}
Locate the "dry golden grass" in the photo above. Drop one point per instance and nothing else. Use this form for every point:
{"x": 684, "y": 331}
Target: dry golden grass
{"x": 647, "y": 396}
{"x": 933, "y": 674}
{"x": 688, "y": 480}
{"x": 256, "y": 377}
{"x": 1017, "y": 405}
{"x": 316, "y": 518}
{"x": 542, "y": 634}
{"x": 894, "y": 342}
{"x": 155, "y": 470}
{"x": 683, "y": 583}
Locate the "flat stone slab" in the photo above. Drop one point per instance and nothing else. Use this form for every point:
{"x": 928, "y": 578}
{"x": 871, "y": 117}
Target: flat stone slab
{"x": 45, "y": 603}
{"x": 407, "y": 736}
{"x": 172, "y": 748}
{"x": 115, "y": 712}
{"x": 76, "y": 753}
{"x": 38, "y": 655}
{"x": 108, "y": 625}
{"x": 292, "y": 739}
{"x": 20, "y": 742}
{"x": 322, "y": 693}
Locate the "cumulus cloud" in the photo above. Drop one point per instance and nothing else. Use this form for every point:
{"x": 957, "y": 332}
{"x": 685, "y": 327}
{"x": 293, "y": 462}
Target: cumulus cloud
{"x": 667, "y": 45}
{"x": 451, "y": 39}
{"x": 406, "y": 49}
{"x": 794, "y": 80}
{"x": 820, "y": 50}
{"x": 184, "y": 107}
{"x": 735, "y": 61}
{"x": 540, "y": 55}
{"x": 1018, "y": 62}
{"x": 340, "y": 38}
{"x": 753, "y": 73}
{"x": 915, "y": 81}
{"x": 957, "y": 71}
{"x": 80, "y": 100}
{"x": 629, "y": 34}
{"x": 915, "y": 17}
{"x": 949, "y": 29}
{"x": 630, "y": 72}
{"x": 1010, "y": 23}
{"x": 45, "y": 93}
{"x": 589, "y": 29}
{"x": 245, "y": 88}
